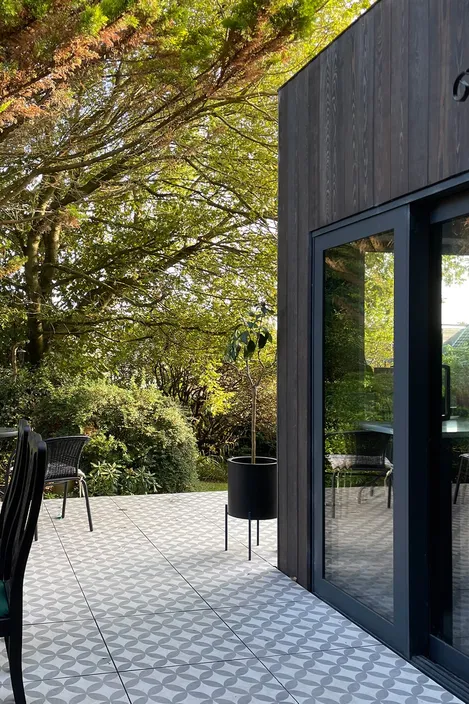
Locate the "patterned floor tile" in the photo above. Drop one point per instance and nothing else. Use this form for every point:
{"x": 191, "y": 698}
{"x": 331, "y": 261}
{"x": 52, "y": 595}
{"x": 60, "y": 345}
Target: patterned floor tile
{"x": 61, "y": 650}
{"x": 57, "y": 570}
{"x": 176, "y": 638}
{"x": 75, "y": 690}
{"x": 121, "y": 598}
{"x": 231, "y": 589}
{"x": 219, "y": 564}
{"x": 355, "y": 677}
{"x": 137, "y": 568}
{"x": 272, "y": 629}
{"x": 234, "y": 682}
{"x": 62, "y": 601}
{"x": 151, "y": 553}
{"x": 107, "y": 553}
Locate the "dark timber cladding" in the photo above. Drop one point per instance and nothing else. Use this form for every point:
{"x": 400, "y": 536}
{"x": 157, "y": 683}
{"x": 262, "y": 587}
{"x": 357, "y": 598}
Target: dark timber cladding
{"x": 368, "y": 120}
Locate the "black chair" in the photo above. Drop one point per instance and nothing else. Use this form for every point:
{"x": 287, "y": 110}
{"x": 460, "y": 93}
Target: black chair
{"x": 463, "y": 469}
{"x": 20, "y": 517}
{"x": 64, "y": 466}
{"x": 360, "y": 452}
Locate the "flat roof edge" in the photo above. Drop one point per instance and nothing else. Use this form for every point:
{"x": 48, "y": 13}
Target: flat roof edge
{"x": 316, "y": 57}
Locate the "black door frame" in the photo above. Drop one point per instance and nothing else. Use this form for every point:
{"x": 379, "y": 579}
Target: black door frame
{"x": 395, "y": 634}
{"x": 440, "y": 533}
{"x": 418, "y": 352}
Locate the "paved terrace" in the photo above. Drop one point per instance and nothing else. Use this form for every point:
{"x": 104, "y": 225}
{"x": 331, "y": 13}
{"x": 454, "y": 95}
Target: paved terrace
{"x": 149, "y": 608}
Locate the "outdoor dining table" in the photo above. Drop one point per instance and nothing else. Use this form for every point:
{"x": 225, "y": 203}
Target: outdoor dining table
{"x": 6, "y": 434}
{"x": 450, "y": 429}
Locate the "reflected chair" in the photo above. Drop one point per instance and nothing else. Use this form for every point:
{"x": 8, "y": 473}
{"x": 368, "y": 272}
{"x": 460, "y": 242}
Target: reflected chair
{"x": 20, "y": 516}
{"x": 360, "y": 453}
{"x": 64, "y": 466}
{"x": 463, "y": 470}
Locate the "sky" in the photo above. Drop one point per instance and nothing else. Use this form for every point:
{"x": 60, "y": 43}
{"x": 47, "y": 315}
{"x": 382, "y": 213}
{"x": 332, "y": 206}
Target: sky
{"x": 455, "y": 305}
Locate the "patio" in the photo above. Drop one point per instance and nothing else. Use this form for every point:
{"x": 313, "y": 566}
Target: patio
{"x": 149, "y": 608}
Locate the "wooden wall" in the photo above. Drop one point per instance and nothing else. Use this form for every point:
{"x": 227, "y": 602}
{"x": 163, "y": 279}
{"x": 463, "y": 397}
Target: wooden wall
{"x": 370, "y": 119}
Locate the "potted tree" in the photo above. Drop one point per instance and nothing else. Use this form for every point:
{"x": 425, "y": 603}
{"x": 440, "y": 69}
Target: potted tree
{"x": 252, "y": 480}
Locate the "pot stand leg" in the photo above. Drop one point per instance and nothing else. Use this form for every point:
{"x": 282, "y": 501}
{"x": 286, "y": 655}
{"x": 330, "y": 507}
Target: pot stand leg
{"x": 226, "y": 527}
{"x": 258, "y": 531}
{"x": 249, "y": 535}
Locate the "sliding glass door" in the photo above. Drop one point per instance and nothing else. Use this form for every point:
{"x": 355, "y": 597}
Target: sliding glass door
{"x": 449, "y": 465}
{"x": 358, "y": 467}
{"x": 390, "y": 407}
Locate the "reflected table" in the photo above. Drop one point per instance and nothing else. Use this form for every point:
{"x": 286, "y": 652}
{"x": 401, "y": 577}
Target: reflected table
{"x": 6, "y": 434}
{"x": 453, "y": 428}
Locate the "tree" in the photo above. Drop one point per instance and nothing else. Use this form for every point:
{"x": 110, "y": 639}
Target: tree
{"x": 92, "y": 158}
{"x": 251, "y": 338}
{"x": 143, "y": 196}
{"x": 45, "y": 43}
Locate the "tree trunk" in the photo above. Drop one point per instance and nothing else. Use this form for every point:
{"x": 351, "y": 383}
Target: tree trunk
{"x": 14, "y": 360}
{"x": 253, "y": 424}
{"x": 35, "y": 347}
{"x": 39, "y": 282}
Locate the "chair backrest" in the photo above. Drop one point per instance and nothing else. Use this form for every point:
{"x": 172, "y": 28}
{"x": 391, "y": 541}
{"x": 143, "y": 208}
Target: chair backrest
{"x": 64, "y": 456}
{"x": 14, "y": 486}
{"x": 368, "y": 448}
{"x": 371, "y": 444}
{"x": 25, "y": 521}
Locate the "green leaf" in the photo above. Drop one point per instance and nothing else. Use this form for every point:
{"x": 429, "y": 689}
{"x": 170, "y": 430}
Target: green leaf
{"x": 262, "y": 340}
{"x": 250, "y": 349}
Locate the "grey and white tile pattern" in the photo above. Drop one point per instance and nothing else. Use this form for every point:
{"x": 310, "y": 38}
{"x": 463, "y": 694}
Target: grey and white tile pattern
{"x": 73, "y": 690}
{"x": 274, "y": 629}
{"x": 175, "y": 638}
{"x": 355, "y": 676}
{"x": 150, "y": 609}
{"x": 236, "y": 681}
{"x": 66, "y": 649}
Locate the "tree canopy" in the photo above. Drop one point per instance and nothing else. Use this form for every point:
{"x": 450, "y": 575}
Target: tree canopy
{"x": 138, "y": 144}
{"x": 145, "y": 193}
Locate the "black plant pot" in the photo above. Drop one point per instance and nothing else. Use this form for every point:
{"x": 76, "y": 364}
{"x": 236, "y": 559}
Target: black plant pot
{"x": 252, "y": 488}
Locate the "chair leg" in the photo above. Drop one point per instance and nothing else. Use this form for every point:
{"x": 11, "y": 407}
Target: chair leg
{"x": 87, "y": 500}
{"x": 65, "y": 499}
{"x": 16, "y": 669}
{"x": 389, "y": 483}
{"x": 458, "y": 480}
{"x": 334, "y": 475}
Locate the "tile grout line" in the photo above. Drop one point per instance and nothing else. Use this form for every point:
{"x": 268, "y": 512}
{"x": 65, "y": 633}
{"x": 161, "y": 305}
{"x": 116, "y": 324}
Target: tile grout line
{"x": 221, "y": 619}
{"x": 93, "y": 616}
{"x": 254, "y": 656}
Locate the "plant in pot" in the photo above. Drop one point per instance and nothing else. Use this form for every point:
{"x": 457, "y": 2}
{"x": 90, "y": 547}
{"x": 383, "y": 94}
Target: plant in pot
{"x": 252, "y": 480}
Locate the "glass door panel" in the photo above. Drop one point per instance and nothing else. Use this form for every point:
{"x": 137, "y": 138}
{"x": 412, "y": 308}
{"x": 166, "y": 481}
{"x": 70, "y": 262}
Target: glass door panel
{"x": 358, "y": 391}
{"x": 450, "y": 576}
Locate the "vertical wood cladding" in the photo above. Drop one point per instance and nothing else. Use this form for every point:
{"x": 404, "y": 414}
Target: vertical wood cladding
{"x": 370, "y": 119}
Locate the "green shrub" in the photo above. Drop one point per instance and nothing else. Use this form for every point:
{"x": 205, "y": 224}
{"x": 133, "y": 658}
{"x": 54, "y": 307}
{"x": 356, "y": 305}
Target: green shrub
{"x": 109, "y": 478}
{"x": 212, "y": 469}
{"x": 103, "y": 478}
{"x": 137, "y": 481}
{"x": 139, "y": 430}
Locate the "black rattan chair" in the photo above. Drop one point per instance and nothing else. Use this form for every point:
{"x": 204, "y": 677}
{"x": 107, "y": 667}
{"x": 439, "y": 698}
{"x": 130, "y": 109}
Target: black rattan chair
{"x": 64, "y": 466}
{"x": 360, "y": 453}
{"x": 20, "y": 515}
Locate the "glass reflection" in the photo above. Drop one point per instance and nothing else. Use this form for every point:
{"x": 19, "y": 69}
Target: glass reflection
{"x": 358, "y": 415}
{"x": 452, "y": 621}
